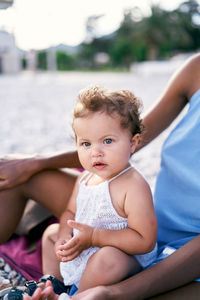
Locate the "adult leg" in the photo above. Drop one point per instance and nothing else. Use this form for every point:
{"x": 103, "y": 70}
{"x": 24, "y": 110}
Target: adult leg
{"x": 51, "y": 188}
{"x": 12, "y": 204}
{"x": 50, "y": 263}
{"x": 107, "y": 266}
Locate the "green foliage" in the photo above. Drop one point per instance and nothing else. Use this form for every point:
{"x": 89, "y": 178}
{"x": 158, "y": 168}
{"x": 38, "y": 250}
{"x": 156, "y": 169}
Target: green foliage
{"x": 64, "y": 61}
{"x": 24, "y": 63}
{"x": 159, "y": 35}
{"x": 42, "y": 60}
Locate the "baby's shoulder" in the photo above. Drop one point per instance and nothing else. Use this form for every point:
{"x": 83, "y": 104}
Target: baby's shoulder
{"x": 130, "y": 182}
{"x": 136, "y": 184}
{"x": 134, "y": 177}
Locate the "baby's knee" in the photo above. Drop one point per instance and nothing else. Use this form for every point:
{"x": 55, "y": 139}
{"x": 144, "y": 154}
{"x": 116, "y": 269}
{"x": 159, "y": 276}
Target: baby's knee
{"x": 50, "y": 233}
{"x": 104, "y": 265}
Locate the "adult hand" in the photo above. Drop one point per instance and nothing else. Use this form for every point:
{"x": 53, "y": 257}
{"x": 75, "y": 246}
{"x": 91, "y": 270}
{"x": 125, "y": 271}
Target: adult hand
{"x": 82, "y": 240}
{"x": 14, "y": 171}
{"x": 43, "y": 293}
{"x": 96, "y": 293}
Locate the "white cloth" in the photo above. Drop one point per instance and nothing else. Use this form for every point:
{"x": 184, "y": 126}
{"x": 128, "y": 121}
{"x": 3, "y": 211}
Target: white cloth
{"x": 93, "y": 207}
{"x": 63, "y": 296}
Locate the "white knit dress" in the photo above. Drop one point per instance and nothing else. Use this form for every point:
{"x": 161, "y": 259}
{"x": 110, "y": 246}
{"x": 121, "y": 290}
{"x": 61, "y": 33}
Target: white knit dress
{"x": 94, "y": 207}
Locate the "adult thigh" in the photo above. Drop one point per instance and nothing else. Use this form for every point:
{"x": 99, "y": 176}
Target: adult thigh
{"x": 12, "y": 204}
{"x": 52, "y": 189}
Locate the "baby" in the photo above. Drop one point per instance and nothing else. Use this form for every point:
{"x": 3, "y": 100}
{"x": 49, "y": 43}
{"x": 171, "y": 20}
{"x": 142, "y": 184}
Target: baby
{"x": 110, "y": 212}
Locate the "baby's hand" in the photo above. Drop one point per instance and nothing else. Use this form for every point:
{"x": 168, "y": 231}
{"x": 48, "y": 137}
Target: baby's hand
{"x": 82, "y": 240}
{"x": 57, "y": 245}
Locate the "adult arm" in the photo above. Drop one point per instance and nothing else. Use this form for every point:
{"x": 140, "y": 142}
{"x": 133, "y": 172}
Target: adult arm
{"x": 182, "y": 85}
{"x": 14, "y": 171}
{"x": 176, "y": 270}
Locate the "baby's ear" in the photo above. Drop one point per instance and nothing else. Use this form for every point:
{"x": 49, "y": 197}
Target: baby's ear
{"x": 134, "y": 142}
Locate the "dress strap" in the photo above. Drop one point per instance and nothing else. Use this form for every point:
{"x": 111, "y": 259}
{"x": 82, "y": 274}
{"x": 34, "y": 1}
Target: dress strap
{"x": 122, "y": 172}
{"x": 85, "y": 177}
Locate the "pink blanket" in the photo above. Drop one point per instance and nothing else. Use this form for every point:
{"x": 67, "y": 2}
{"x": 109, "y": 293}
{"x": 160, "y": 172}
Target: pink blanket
{"x": 15, "y": 253}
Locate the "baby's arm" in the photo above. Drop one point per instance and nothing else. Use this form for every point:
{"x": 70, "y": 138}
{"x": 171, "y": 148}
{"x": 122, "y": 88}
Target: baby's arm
{"x": 140, "y": 237}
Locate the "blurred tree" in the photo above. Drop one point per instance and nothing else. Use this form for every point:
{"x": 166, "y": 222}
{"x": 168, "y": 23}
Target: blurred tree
{"x": 42, "y": 60}
{"x": 23, "y": 63}
{"x": 64, "y": 61}
{"x": 88, "y": 51}
{"x": 91, "y": 27}
{"x": 158, "y": 35}
{"x": 188, "y": 14}
{"x": 155, "y": 31}
{"x": 122, "y": 51}
{"x": 93, "y": 44}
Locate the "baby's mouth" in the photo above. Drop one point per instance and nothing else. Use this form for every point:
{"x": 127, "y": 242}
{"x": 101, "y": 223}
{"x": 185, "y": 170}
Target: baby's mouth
{"x": 99, "y": 165}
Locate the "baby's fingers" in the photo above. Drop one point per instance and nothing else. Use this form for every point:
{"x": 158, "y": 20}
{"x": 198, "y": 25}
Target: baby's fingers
{"x": 70, "y": 244}
{"x": 71, "y": 256}
{"x": 65, "y": 253}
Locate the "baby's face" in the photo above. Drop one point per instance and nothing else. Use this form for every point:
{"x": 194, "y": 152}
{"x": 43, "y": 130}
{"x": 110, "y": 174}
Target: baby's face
{"x": 104, "y": 147}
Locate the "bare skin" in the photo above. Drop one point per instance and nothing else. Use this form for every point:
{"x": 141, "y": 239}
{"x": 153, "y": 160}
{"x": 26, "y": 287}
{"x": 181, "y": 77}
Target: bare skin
{"x": 51, "y": 188}
{"x": 182, "y": 266}
{"x": 182, "y": 85}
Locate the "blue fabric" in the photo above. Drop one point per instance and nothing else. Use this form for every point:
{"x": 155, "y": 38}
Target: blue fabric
{"x": 177, "y": 192}
{"x": 73, "y": 290}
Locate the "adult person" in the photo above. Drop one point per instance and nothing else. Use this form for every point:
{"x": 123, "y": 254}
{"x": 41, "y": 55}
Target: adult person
{"x": 183, "y": 265}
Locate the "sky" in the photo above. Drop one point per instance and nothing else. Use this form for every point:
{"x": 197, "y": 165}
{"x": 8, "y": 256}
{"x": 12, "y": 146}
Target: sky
{"x": 39, "y": 24}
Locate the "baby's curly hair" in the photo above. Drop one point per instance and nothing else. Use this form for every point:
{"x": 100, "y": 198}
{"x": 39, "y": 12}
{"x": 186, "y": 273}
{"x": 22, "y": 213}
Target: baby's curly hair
{"x": 122, "y": 102}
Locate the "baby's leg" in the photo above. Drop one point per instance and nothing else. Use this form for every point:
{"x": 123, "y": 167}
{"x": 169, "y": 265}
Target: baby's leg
{"x": 50, "y": 263}
{"x": 107, "y": 266}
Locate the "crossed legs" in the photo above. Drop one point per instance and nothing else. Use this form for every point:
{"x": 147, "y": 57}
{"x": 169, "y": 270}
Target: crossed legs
{"x": 107, "y": 266}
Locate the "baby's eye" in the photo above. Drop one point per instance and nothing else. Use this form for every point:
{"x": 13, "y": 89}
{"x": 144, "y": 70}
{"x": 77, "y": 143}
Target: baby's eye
{"x": 86, "y": 144}
{"x": 107, "y": 141}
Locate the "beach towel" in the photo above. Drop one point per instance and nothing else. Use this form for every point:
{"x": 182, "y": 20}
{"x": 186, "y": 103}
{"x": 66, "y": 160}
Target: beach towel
{"x": 15, "y": 252}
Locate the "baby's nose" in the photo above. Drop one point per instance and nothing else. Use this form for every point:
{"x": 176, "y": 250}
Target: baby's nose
{"x": 97, "y": 151}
